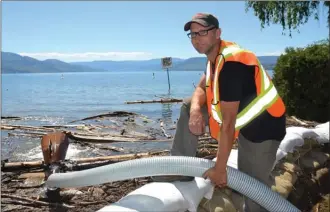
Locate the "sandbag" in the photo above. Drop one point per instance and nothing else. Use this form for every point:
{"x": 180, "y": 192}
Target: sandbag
{"x": 324, "y": 125}
{"x": 155, "y": 196}
{"x": 290, "y": 141}
{"x": 302, "y": 132}
{"x": 322, "y": 132}
{"x": 282, "y": 186}
{"x": 319, "y": 156}
{"x": 220, "y": 202}
{"x": 116, "y": 207}
{"x": 289, "y": 167}
{"x": 295, "y": 137}
{"x": 308, "y": 163}
{"x": 194, "y": 191}
{"x": 174, "y": 196}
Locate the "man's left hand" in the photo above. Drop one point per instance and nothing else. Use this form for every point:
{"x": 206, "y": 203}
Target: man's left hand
{"x": 217, "y": 177}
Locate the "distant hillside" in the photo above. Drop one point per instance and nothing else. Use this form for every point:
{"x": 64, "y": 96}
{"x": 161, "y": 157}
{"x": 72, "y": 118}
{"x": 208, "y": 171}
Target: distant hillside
{"x": 190, "y": 64}
{"x": 268, "y": 62}
{"x": 14, "y": 63}
{"x": 128, "y": 65}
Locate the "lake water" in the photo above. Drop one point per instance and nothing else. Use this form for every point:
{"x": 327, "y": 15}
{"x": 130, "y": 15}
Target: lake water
{"x": 50, "y": 99}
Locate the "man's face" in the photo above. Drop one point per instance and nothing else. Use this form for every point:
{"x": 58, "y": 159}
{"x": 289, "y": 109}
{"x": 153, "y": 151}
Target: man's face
{"x": 203, "y": 43}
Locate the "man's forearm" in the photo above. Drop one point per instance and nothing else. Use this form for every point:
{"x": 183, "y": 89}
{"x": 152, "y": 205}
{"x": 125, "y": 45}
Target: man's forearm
{"x": 198, "y": 99}
{"x": 225, "y": 144}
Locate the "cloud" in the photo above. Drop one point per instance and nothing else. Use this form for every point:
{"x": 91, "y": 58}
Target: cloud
{"x": 276, "y": 53}
{"x": 89, "y": 56}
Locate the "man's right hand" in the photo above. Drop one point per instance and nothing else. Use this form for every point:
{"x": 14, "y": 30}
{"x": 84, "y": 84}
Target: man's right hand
{"x": 196, "y": 122}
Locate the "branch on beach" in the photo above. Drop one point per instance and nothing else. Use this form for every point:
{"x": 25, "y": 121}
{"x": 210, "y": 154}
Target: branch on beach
{"x": 25, "y": 164}
{"x": 88, "y": 203}
{"x": 170, "y": 100}
{"x": 112, "y": 148}
{"x": 299, "y": 121}
{"x": 22, "y": 127}
{"x": 118, "y": 158}
{"x": 113, "y": 114}
{"x": 27, "y": 134}
{"x": 36, "y": 202}
{"x": 294, "y": 121}
{"x": 164, "y": 131}
{"x": 208, "y": 146}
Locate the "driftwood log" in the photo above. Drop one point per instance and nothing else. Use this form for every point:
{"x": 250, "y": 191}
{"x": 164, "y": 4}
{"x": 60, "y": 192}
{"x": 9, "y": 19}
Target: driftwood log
{"x": 11, "y": 117}
{"x": 113, "y": 114}
{"x": 170, "y": 100}
{"x": 112, "y": 158}
{"x": 110, "y": 139}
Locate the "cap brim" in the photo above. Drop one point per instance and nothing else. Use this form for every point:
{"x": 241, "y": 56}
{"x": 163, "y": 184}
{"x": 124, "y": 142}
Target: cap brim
{"x": 201, "y": 22}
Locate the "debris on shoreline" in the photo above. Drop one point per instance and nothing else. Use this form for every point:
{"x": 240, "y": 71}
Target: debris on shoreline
{"x": 302, "y": 177}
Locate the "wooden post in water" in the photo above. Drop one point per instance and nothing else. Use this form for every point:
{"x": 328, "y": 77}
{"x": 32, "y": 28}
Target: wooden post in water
{"x": 166, "y": 64}
{"x": 168, "y": 80}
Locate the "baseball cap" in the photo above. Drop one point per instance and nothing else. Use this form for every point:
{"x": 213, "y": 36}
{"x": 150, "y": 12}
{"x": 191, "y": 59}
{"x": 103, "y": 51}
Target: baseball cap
{"x": 204, "y": 19}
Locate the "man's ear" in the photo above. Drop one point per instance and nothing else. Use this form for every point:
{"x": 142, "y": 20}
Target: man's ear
{"x": 218, "y": 33}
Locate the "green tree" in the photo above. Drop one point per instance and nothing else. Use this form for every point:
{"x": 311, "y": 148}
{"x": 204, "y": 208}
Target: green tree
{"x": 302, "y": 77}
{"x": 290, "y": 14}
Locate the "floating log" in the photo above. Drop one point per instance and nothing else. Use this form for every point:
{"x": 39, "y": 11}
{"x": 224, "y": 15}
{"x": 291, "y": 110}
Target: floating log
{"x": 113, "y": 114}
{"x": 11, "y": 117}
{"x": 109, "y": 139}
{"x": 170, "y": 100}
{"x": 64, "y": 126}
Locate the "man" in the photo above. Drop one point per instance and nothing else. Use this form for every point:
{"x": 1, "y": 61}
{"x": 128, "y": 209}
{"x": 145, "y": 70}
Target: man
{"x": 237, "y": 99}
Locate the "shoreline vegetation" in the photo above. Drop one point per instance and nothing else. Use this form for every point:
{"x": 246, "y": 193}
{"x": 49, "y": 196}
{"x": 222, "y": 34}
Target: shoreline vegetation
{"x": 298, "y": 180}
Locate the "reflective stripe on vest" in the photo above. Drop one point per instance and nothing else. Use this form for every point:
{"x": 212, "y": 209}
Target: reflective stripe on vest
{"x": 267, "y": 96}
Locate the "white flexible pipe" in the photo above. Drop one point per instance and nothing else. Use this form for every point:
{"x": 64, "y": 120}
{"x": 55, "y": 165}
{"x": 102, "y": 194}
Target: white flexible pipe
{"x": 172, "y": 165}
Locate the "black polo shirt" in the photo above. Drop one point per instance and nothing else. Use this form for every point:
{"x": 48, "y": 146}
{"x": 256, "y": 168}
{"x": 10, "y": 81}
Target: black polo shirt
{"x": 237, "y": 83}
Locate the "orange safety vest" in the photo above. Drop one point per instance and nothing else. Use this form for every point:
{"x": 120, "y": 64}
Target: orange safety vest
{"x": 267, "y": 97}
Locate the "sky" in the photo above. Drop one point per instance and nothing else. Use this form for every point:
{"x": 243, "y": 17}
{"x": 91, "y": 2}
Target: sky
{"x": 136, "y": 30}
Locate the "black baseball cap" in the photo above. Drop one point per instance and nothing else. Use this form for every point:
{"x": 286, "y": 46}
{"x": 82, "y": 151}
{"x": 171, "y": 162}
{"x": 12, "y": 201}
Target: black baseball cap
{"x": 204, "y": 19}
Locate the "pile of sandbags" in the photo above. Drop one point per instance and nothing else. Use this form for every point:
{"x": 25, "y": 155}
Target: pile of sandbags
{"x": 300, "y": 153}
{"x": 286, "y": 175}
{"x": 297, "y": 137}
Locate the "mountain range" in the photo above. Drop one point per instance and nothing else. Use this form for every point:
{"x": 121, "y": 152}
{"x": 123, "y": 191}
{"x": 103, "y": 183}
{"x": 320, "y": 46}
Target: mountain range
{"x": 15, "y": 63}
